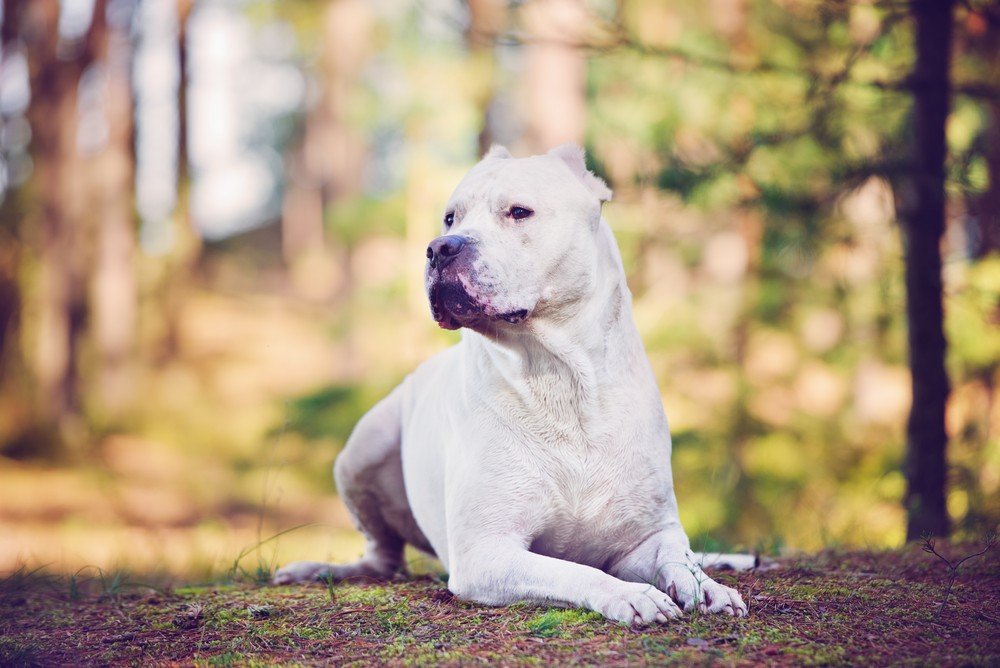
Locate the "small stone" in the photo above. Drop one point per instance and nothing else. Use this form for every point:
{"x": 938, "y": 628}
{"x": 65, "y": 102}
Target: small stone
{"x": 260, "y": 611}
{"x": 190, "y": 618}
{"x": 700, "y": 643}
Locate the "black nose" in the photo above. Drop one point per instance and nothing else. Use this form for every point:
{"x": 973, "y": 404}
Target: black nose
{"x": 444, "y": 249}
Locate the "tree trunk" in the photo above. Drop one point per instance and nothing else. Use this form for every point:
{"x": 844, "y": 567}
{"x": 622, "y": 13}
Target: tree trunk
{"x": 55, "y": 228}
{"x": 188, "y": 239}
{"x": 187, "y": 242}
{"x": 555, "y": 73}
{"x": 329, "y": 165}
{"x": 10, "y": 247}
{"x": 923, "y": 212}
{"x": 58, "y": 303}
{"x": 487, "y": 19}
{"x": 114, "y": 291}
{"x": 301, "y": 206}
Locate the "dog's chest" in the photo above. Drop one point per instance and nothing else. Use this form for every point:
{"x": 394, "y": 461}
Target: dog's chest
{"x": 593, "y": 506}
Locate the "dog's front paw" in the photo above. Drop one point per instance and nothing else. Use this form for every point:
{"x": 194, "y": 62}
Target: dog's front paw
{"x": 300, "y": 571}
{"x": 692, "y": 589}
{"x": 637, "y": 604}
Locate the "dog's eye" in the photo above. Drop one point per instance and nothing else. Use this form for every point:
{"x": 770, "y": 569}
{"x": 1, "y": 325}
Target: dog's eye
{"x": 519, "y": 212}
{"x": 449, "y": 219}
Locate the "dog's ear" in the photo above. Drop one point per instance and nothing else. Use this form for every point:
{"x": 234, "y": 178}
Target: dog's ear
{"x": 497, "y": 151}
{"x": 573, "y": 156}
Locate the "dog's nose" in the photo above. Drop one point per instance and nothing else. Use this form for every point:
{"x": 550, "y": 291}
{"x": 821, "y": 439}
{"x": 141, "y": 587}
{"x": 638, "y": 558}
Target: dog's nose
{"x": 444, "y": 249}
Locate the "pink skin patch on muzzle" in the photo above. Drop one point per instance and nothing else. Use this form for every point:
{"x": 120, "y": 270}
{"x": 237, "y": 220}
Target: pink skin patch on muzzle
{"x": 456, "y": 296}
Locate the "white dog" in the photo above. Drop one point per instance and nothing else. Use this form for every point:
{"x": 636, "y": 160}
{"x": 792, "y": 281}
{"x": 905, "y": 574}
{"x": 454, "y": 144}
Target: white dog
{"x": 533, "y": 458}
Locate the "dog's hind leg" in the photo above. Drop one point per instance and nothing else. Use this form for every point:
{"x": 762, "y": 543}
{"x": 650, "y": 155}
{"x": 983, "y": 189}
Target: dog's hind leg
{"x": 727, "y": 562}
{"x": 369, "y": 477}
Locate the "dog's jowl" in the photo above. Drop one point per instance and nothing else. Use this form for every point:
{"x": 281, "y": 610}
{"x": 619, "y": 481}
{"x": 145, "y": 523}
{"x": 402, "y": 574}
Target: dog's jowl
{"x": 533, "y": 457}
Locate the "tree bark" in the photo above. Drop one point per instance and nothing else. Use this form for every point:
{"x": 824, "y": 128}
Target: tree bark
{"x": 555, "y": 73}
{"x": 187, "y": 242}
{"x": 10, "y": 247}
{"x": 190, "y": 241}
{"x": 114, "y": 289}
{"x": 58, "y": 304}
{"x": 923, "y": 211}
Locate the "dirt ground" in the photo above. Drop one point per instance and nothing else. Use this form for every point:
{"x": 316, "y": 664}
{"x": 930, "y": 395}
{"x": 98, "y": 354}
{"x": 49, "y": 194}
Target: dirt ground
{"x": 831, "y": 609}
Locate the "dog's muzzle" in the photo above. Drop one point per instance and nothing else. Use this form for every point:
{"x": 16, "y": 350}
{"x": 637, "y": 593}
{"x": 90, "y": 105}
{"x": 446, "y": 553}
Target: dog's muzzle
{"x": 456, "y": 298}
{"x": 449, "y": 261}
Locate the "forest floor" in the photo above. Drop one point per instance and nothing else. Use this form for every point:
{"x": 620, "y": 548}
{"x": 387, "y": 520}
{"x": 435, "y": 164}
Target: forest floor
{"x": 858, "y": 608}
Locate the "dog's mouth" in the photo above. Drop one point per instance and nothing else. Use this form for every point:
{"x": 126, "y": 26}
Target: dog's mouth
{"x": 515, "y": 317}
{"x": 453, "y": 307}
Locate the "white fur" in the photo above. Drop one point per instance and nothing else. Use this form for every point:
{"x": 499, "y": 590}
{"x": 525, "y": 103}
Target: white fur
{"x": 533, "y": 459}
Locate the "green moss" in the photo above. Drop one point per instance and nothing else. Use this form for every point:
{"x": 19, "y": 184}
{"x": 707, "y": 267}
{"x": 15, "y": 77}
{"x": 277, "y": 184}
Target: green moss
{"x": 233, "y": 659}
{"x": 349, "y": 595}
{"x": 817, "y": 655}
{"x": 556, "y": 622}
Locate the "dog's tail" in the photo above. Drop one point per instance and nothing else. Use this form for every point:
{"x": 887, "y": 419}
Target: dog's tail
{"x": 727, "y": 562}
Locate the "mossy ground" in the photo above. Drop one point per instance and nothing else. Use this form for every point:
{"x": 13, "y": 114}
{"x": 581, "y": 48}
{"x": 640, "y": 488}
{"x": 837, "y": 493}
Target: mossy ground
{"x": 832, "y": 608}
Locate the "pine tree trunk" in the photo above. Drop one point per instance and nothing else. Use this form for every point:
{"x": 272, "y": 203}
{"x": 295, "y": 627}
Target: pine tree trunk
{"x": 187, "y": 242}
{"x": 114, "y": 288}
{"x": 10, "y": 248}
{"x": 555, "y": 73}
{"x": 923, "y": 210}
{"x": 56, "y": 302}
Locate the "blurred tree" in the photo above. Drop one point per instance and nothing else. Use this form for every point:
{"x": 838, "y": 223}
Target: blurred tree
{"x": 921, "y": 204}
{"x": 329, "y": 165}
{"x": 75, "y": 248}
{"x": 187, "y": 243}
{"x": 114, "y": 281}
{"x": 55, "y": 227}
{"x": 487, "y": 21}
{"x": 555, "y": 73}
{"x": 189, "y": 236}
{"x": 10, "y": 247}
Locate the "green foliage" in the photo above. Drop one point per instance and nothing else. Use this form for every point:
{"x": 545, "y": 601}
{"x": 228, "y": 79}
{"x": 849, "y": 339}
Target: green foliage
{"x": 768, "y": 125}
{"x": 358, "y": 218}
{"x": 330, "y": 412}
{"x": 973, "y": 330}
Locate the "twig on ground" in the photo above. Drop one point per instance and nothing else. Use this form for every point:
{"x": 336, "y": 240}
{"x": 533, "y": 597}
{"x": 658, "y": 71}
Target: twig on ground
{"x": 929, "y": 547}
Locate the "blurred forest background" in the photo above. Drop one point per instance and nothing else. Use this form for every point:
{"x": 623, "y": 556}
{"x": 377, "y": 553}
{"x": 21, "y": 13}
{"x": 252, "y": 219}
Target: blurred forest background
{"x": 214, "y": 216}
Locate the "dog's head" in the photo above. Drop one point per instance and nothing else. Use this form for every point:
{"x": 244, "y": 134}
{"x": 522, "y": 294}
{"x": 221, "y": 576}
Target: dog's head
{"x": 521, "y": 237}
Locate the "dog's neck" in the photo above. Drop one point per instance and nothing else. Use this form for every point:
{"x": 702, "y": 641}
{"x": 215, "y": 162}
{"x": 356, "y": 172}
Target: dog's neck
{"x": 586, "y": 351}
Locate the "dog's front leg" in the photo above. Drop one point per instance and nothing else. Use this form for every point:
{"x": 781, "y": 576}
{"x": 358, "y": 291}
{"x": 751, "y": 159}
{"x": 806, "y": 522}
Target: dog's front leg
{"x": 503, "y": 571}
{"x": 665, "y": 558}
